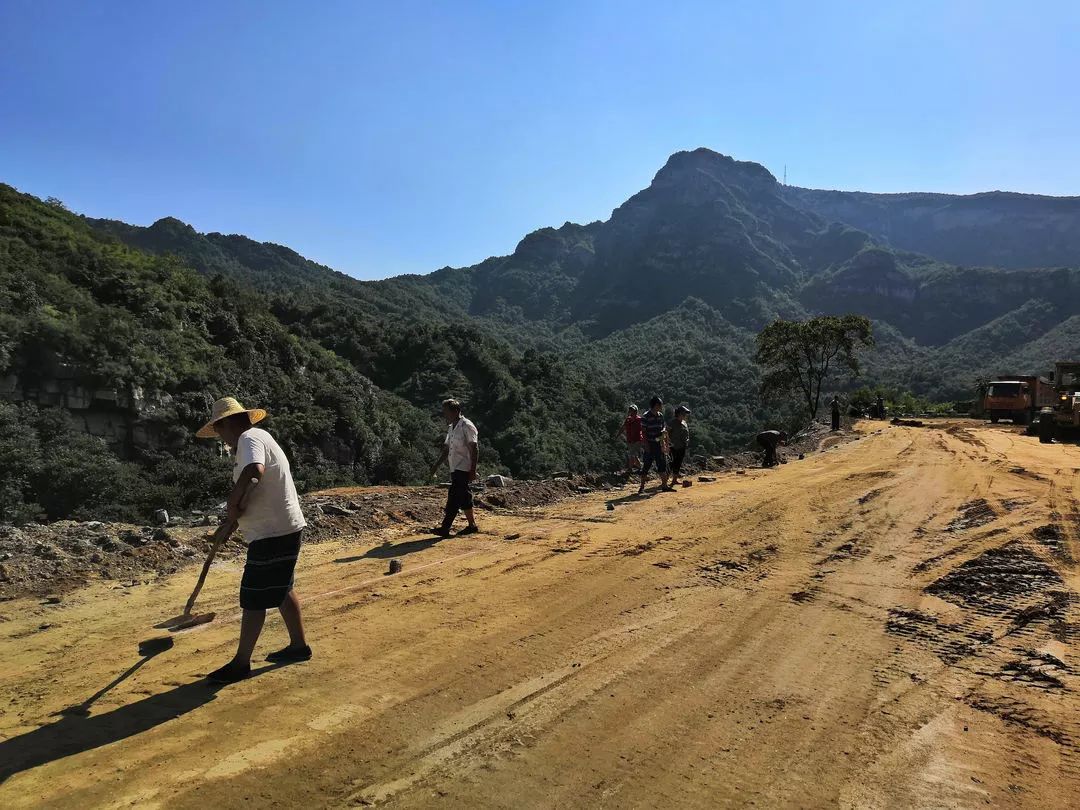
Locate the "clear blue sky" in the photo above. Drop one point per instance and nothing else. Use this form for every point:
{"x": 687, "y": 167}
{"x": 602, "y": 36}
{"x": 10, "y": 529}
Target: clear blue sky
{"x": 383, "y": 138}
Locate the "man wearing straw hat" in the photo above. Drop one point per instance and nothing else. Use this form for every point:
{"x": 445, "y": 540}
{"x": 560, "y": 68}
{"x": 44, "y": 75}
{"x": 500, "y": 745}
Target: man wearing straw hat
{"x": 271, "y": 523}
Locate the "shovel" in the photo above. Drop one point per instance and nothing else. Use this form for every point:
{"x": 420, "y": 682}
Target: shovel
{"x": 219, "y": 538}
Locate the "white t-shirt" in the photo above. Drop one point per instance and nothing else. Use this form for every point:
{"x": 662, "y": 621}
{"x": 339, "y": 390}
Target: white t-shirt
{"x": 273, "y": 509}
{"x": 458, "y": 438}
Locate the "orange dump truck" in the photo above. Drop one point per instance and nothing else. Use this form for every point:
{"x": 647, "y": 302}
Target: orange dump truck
{"x": 1017, "y": 398}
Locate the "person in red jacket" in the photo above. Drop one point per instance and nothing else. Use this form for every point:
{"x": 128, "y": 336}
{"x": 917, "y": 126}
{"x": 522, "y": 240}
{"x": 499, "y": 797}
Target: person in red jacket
{"x": 631, "y": 432}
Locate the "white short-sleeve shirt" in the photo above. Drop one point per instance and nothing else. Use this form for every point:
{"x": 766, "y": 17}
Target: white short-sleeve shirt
{"x": 273, "y": 509}
{"x": 458, "y": 438}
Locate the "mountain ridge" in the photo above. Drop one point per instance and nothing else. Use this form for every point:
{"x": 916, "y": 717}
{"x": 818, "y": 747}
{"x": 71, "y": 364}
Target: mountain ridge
{"x": 1005, "y": 229}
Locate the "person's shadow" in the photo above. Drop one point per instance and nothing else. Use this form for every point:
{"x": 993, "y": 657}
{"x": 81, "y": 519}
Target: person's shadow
{"x": 389, "y": 550}
{"x": 76, "y": 731}
{"x": 147, "y": 649}
{"x": 636, "y": 496}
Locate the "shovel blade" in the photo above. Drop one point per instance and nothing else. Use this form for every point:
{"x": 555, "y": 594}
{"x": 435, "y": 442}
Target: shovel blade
{"x": 185, "y": 620}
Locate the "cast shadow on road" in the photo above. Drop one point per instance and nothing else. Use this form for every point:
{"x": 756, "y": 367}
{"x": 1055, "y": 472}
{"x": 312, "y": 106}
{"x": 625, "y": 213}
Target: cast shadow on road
{"x": 637, "y": 496}
{"x": 391, "y": 550}
{"x": 75, "y": 732}
{"x": 147, "y": 649}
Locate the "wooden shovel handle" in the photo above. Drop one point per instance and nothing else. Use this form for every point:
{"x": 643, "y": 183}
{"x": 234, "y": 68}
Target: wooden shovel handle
{"x": 221, "y": 535}
{"x": 202, "y": 579}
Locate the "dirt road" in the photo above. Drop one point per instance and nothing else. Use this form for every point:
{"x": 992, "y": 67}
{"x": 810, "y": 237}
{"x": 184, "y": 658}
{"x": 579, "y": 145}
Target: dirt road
{"x": 891, "y": 623}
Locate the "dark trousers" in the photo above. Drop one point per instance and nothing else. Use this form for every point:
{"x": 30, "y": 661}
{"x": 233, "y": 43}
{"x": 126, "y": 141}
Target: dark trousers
{"x": 654, "y": 454}
{"x": 677, "y": 456}
{"x": 458, "y": 497}
{"x": 836, "y": 420}
{"x": 769, "y": 445}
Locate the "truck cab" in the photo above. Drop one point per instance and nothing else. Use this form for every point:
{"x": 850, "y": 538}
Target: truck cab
{"x": 1018, "y": 397}
{"x": 1008, "y": 399}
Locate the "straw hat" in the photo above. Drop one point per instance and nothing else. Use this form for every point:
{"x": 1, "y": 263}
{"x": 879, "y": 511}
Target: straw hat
{"x": 223, "y": 409}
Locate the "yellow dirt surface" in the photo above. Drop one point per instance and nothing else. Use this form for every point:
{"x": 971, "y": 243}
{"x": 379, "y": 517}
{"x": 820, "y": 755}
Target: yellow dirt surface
{"x": 891, "y": 623}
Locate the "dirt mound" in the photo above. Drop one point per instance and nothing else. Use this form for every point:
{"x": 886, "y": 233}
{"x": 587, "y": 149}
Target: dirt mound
{"x": 53, "y": 558}
{"x": 47, "y": 559}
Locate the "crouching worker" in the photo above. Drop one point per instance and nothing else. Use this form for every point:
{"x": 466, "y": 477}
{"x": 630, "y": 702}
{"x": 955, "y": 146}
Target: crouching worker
{"x": 271, "y": 523}
{"x": 769, "y": 440}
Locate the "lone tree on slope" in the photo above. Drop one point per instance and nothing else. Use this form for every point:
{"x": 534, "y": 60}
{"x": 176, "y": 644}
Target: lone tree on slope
{"x": 798, "y": 356}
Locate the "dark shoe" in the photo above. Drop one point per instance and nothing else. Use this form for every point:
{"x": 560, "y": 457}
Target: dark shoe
{"x": 468, "y": 530}
{"x": 290, "y": 654}
{"x": 230, "y": 673}
{"x": 440, "y": 532}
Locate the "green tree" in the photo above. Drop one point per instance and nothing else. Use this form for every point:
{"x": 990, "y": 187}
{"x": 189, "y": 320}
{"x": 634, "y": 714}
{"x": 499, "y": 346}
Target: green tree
{"x": 798, "y": 356}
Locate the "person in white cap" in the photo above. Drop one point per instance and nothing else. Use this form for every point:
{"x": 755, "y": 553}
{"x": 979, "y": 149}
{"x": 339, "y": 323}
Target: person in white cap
{"x": 271, "y": 523}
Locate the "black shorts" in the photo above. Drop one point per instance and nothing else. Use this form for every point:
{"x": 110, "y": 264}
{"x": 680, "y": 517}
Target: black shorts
{"x": 268, "y": 572}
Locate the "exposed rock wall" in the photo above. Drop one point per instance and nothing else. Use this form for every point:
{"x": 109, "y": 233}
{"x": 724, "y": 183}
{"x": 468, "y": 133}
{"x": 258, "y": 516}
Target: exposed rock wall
{"x": 126, "y": 420}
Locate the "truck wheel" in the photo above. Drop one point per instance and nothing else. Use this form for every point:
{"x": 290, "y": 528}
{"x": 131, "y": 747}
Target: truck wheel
{"x": 1020, "y": 418}
{"x": 994, "y": 417}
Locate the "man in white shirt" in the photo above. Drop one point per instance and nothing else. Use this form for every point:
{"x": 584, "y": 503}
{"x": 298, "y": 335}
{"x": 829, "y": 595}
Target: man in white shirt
{"x": 271, "y": 523}
{"x": 461, "y": 449}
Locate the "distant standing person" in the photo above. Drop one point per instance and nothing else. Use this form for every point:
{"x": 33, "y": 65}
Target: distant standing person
{"x": 631, "y": 432}
{"x": 271, "y": 523}
{"x": 880, "y": 406}
{"x": 462, "y": 450}
{"x": 655, "y": 432}
{"x": 769, "y": 440}
{"x": 679, "y": 440}
{"x": 835, "y": 405}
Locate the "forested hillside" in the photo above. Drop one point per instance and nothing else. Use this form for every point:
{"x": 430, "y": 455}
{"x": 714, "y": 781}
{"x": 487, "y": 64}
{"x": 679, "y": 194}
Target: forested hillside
{"x": 133, "y": 348}
{"x": 115, "y": 338}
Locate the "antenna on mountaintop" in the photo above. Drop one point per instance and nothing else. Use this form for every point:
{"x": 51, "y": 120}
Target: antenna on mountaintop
{"x": 785, "y": 174}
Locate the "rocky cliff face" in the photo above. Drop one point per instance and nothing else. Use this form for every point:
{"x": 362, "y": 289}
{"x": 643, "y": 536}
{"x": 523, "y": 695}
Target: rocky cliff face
{"x": 126, "y": 419}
